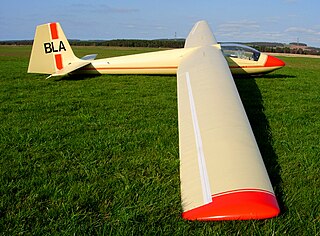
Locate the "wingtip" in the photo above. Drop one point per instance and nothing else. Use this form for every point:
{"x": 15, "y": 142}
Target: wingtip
{"x": 237, "y": 205}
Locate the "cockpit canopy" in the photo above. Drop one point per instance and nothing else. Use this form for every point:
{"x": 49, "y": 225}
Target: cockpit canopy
{"x": 240, "y": 51}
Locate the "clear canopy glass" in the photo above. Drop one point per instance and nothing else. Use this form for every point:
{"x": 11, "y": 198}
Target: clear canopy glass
{"x": 240, "y": 51}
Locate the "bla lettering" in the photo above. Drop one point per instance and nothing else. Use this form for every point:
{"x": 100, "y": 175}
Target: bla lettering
{"x": 49, "y": 47}
{"x": 54, "y": 50}
{"x": 61, "y": 46}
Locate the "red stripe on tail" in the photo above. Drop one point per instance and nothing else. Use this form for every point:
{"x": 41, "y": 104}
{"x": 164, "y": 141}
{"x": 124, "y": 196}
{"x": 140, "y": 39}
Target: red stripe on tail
{"x": 58, "y": 59}
{"x": 54, "y": 31}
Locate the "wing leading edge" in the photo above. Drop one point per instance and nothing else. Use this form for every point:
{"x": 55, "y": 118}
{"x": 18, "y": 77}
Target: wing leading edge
{"x": 223, "y": 176}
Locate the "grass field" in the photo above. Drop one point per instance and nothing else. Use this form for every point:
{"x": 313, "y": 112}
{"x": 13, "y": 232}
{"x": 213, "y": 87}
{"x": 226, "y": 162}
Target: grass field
{"x": 99, "y": 156}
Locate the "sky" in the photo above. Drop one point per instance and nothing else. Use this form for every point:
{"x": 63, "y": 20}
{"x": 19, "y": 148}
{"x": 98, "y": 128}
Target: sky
{"x": 281, "y": 21}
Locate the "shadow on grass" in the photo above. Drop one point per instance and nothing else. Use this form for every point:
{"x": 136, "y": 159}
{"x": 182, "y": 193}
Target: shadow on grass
{"x": 75, "y": 77}
{"x": 269, "y": 76}
{"x": 252, "y": 101}
{"x": 279, "y": 76}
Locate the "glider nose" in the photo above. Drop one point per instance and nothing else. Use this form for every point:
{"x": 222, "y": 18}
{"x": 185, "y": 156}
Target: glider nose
{"x": 274, "y": 62}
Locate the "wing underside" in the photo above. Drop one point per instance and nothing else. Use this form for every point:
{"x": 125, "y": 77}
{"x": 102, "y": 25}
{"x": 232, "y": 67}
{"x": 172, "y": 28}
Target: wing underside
{"x": 222, "y": 172}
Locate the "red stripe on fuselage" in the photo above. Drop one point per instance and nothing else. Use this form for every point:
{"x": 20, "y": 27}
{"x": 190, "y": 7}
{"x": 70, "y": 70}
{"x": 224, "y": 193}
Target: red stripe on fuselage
{"x": 157, "y": 68}
{"x": 234, "y": 67}
{"x": 132, "y": 68}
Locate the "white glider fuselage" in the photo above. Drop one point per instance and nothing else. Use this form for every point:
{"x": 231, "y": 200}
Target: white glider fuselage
{"x": 52, "y": 54}
{"x": 160, "y": 62}
{"x": 167, "y": 61}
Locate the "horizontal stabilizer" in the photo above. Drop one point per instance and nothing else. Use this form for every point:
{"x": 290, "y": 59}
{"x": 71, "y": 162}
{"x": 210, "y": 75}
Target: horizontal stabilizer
{"x": 89, "y": 57}
{"x": 72, "y": 67}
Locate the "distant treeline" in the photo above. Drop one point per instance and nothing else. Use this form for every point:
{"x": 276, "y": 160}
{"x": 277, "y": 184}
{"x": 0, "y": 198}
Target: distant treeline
{"x": 16, "y": 42}
{"x": 294, "y": 48}
{"x": 159, "y": 43}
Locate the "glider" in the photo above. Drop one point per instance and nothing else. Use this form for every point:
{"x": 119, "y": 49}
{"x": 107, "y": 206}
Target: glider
{"x": 222, "y": 173}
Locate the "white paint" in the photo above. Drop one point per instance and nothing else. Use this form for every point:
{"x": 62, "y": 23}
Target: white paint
{"x": 206, "y": 191}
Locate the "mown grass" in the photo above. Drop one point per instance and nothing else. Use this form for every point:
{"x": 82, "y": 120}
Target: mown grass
{"x": 99, "y": 155}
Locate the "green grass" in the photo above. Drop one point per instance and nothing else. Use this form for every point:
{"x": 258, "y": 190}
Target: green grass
{"x": 100, "y": 155}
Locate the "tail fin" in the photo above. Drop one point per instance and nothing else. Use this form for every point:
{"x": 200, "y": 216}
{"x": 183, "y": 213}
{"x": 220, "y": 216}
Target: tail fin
{"x": 51, "y": 51}
{"x": 200, "y": 35}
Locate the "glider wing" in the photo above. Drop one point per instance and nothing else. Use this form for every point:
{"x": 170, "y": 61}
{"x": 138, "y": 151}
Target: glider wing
{"x": 223, "y": 176}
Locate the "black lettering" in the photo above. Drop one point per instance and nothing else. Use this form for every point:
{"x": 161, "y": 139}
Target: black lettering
{"x": 47, "y": 48}
{"x": 61, "y": 46}
{"x": 54, "y": 50}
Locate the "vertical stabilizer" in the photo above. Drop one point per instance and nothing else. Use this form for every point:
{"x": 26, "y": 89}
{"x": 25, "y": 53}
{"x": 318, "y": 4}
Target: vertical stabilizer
{"x": 51, "y": 51}
{"x": 200, "y": 35}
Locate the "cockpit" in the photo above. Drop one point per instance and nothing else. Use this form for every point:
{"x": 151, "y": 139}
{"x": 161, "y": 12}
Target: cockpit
{"x": 240, "y": 51}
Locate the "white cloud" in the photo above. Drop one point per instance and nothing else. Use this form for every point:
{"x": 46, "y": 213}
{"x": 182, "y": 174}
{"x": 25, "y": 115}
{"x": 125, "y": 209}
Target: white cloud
{"x": 302, "y": 30}
{"x": 103, "y": 8}
{"x": 290, "y": 1}
{"x": 273, "y": 19}
{"x": 248, "y": 30}
{"x": 242, "y": 30}
{"x": 312, "y": 36}
{"x": 236, "y": 26}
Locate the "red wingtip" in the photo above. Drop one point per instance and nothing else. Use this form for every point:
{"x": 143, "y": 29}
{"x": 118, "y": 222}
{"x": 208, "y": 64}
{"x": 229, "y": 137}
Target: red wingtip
{"x": 237, "y": 205}
{"x": 274, "y": 62}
